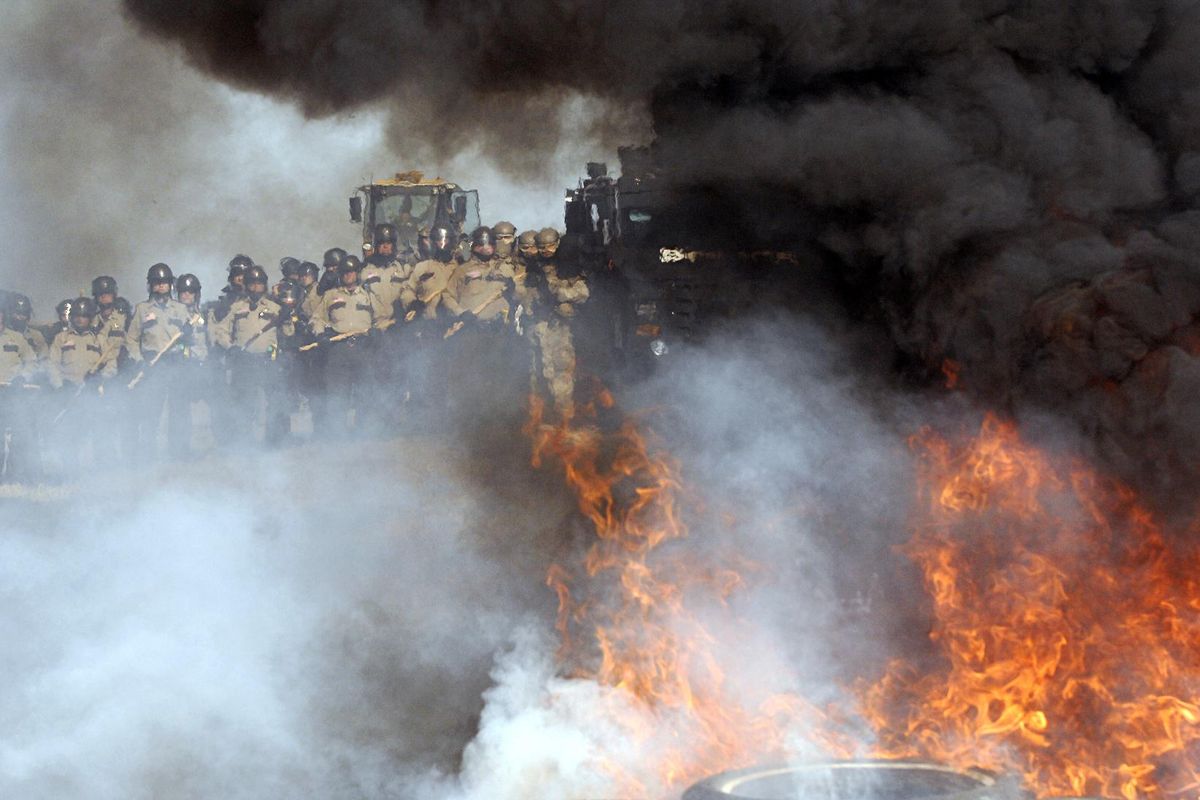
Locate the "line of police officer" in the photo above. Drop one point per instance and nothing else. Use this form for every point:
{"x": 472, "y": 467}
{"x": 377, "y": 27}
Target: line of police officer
{"x": 373, "y": 340}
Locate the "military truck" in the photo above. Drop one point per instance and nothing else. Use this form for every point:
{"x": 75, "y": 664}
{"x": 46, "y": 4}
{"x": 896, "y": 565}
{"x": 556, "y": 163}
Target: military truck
{"x": 409, "y": 201}
{"x": 670, "y": 261}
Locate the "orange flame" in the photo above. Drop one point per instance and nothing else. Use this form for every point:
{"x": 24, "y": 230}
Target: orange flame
{"x": 1069, "y": 630}
{"x": 639, "y": 635}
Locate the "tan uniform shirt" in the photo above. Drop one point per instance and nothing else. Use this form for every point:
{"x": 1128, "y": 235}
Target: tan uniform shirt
{"x": 73, "y": 355}
{"x": 354, "y": 310}
{"x": 478, "y": 287}
{"x": 36, "y": 340}
{"x": 428, "y": 284}
{"x": 17, "y": 359}
{"x": 389, "y": 283}
{"x": 251, "y": 326}
{"x": 111, "y": 330}
{"x": 153, "y": 326}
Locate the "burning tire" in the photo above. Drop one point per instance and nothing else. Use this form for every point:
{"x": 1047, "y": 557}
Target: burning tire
{"x": 853, "y": 780}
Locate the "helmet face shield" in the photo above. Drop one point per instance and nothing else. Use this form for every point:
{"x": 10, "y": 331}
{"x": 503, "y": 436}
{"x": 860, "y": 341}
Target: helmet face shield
{"x": 442, "y": 243}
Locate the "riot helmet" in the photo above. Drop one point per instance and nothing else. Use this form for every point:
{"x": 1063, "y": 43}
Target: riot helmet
{"x": 187, "y": 284}
{"x": 159, "y": 275}
{"x": 441, "y": 243}
{"x": 483, "y": 243}
{"x": 289, "y": 295}
{"x": 308, "y": 272}
{"x": 333, "y": 257}
{"x": 80, "y": 313}
{"x": 63, "y": 310}
{"x": 349, "y": 266}
{"x": 104, "y": 287}
{"x": 256, "y": 281}
{"x": 424, "y": 251}
{"x": 289, "y": 266}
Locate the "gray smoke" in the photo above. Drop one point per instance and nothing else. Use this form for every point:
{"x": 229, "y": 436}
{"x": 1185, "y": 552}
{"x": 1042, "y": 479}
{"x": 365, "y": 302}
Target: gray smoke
{"x": 1007, "y": 185}
{"x": 362, "y": 621}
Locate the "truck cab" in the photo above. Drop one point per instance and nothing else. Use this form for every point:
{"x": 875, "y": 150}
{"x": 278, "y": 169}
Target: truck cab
{"x": 411, "y": 202}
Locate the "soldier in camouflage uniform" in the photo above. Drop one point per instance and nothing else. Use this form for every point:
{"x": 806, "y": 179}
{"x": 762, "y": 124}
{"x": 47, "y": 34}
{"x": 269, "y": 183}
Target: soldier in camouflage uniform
{"x": 160, "y": 328}
{"x": 555, "y": 298}
{"x": 251, "y": 333}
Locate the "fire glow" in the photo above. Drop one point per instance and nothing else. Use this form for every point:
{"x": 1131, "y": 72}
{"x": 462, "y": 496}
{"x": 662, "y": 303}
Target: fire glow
{"x": 1068, "y": 628}
{"x": 1065, "y": 629}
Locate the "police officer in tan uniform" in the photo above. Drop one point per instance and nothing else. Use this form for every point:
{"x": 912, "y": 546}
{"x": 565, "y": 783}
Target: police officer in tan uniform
{"x": 77, "y": 358}
{"x": 485, "y": 364}
{"x": 17, "y": 359}
{"x": 556, "y": 299}
{"x": 384, "y": 273}
{"x": 20, "y": 312}
{"x": 478, "y": 288}
{"x": 345, "y": 318}
{"x": 110, "y": 322}
{"x": 159, "y": 329}
{"x": 17, "y": 365}
{"x": 77, "y": 352}
{"x": 252, "y": 330}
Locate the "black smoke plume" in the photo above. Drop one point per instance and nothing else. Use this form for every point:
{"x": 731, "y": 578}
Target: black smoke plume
{"x": 1008, "y": 186}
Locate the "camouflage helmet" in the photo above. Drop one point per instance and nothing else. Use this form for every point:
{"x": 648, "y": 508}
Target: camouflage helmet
{"x": 527, "y": 239}
{"x": 333, "y": 257}
{"x": 547, "y": 237}
{"x": 104, "y": 285}
{"x": 504, "y": 228}
{"x": 386, "y": 232}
